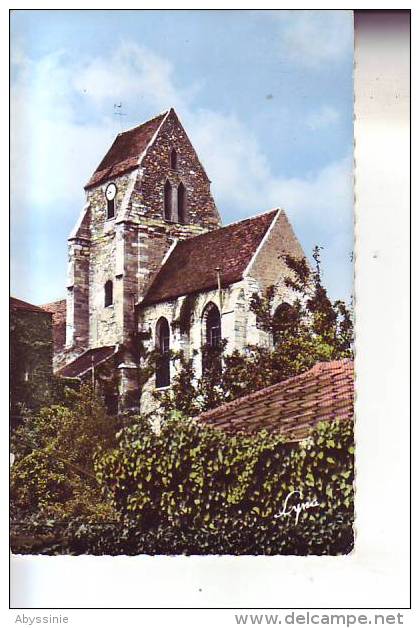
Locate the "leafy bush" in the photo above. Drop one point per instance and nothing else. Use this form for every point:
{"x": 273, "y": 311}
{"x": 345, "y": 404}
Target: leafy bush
{"x": 196, "y": 490}
{"x": 53, "y": 474}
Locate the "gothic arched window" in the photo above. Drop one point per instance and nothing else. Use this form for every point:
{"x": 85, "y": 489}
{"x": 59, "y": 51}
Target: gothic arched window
{"x": 213, "y": 326}
{"x": 109, "y": 299}
{"x": 284, "y": 320}
{"x": 173, "y": 159}
{"x": 167, "y": 193}
{"x": 212, "y": 338}
{"x": 181, "y": 204}
{"x": 163, "y": 375}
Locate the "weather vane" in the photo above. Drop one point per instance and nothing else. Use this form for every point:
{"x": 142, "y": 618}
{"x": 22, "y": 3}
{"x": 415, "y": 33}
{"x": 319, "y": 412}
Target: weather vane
{"x": 119, "y": 112}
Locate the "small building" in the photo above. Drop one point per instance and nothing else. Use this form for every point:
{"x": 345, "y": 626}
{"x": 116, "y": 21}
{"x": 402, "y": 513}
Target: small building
{"x": 31, "y": 356}
{"x": 58, "y": 311}
{"x": 292, "y": 407}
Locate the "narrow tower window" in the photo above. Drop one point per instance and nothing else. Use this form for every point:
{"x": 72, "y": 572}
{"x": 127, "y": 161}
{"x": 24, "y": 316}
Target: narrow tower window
{"x": 108, "y": 293}
{"x": 181, "y": 204}
{"x": 163, "y": 376}
{"x": 167, "y": 193}
{"x": 173, "y": 159}
{"x": 110, "y": 213}
{"x": 110, "y": 193}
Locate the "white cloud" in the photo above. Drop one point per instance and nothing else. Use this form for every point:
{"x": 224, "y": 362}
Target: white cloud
{"x": 324, "y": 117}
{"x": 314, "y": 38}
{"x": 62, "y": 116}
{"x": 62, "y": 124}
{"x": 132, "y": 74}
{"x": 243, "y": 179}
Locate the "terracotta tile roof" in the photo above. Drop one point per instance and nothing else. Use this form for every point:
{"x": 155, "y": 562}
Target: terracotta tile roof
{"x": 124, "y": 153}
{"x": 191, "y": 265}
{"x": 58, "y": 311}
{"x": 82, "y": 364}
{"x": 17, "y": 304}
{"x": 292, "y": 407}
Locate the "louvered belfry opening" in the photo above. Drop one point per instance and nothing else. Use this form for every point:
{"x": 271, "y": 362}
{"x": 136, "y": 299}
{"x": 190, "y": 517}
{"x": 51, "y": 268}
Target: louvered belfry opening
{"x": 168, "y": 201}
{"x": 173, "y": 160}
{"x": 181, "y": 204}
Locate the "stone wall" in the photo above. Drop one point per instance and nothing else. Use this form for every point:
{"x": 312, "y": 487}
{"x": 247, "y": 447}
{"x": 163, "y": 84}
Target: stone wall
{"x": 234, "y": 318}
{"x": 268, "y": 267}
{"x": 200, "y": 207}
{"x": 77, "y": 316}
{"x": 31, "y": 354}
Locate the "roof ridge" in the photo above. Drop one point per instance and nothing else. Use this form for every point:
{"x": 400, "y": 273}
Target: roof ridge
{"x": 231, "y": 224}
{"x": 244, "y": 237}
{"x": 125, "y": 150}
{"x": 21, "y": 302}
{"x": 154, "y": 136}
{"x": 137, "y": 126}
{"x": 267, "y": 211}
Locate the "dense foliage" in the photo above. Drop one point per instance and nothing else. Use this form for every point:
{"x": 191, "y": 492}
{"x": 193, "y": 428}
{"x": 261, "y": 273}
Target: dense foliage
{"x": 31, "y": 349}
{"x": 195, "y": 490}
{"x": 80, "y": 487}
{"x": 53, "y": 472}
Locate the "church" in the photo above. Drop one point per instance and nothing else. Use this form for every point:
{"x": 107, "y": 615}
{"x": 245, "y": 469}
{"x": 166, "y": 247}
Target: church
{"x": 150, "y": 265}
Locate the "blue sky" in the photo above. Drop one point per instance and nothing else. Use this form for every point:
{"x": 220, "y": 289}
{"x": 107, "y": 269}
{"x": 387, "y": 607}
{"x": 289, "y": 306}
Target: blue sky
{"x": 265, "y": 96}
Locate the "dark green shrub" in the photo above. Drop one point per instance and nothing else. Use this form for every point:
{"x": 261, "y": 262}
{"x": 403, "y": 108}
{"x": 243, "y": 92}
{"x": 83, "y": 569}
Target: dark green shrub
{"x": 195, "y": 490}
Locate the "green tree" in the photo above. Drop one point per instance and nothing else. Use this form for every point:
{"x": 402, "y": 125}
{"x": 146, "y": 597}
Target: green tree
{"x": 53, "y": 472}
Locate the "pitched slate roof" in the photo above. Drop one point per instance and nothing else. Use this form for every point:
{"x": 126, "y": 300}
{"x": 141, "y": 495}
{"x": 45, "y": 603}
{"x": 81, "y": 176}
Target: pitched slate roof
{"x": 82, "y": 364}
{"x": 17, "y": 304}
{"x": 294, "y": 406}
{"x": 124, "y": 153}
{"x": 191, "y": 265}
{"x": 59, "y": 314}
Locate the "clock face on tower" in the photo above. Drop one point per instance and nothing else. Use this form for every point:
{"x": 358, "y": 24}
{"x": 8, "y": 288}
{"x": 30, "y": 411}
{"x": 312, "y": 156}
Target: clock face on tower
{"x": 110, "y": 192}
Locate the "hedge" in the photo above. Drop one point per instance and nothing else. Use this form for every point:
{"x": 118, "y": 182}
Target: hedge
{"x": 191, "y": 489}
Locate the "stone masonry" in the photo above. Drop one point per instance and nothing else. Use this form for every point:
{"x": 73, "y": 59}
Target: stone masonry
{"x": 129, "y": 248}
{"x": 159, "y": 249}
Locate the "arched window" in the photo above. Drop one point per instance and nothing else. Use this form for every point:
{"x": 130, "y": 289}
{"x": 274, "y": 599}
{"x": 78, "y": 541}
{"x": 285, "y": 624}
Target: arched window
{"x": 213, "y": 326}
{"x": 212, "y": 337}
{"x": 167, "y": 193}
{"x": 181, "y": 204}
{"x": 163, "y": 375}
{"x": 108, "y": 293}
{"x": 284, "y": 320}
{"x": 173, "y": 159}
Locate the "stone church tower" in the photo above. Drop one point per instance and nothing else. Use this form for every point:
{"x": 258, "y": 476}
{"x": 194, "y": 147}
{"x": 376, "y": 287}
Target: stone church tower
{"x": 149, "y": 190}
{"x": 149, "y": 251}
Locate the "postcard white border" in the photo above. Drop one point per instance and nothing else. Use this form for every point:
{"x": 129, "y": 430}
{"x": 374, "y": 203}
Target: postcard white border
{"x": 376, "y": 573}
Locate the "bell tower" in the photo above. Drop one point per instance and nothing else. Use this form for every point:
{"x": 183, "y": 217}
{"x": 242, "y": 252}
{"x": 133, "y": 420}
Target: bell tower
{"x": 149, "y": 191}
